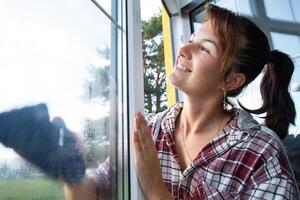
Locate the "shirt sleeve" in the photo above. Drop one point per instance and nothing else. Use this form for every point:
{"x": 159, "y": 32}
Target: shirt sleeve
{"x": 272, "y": 181}
{"x": 151, "y": 119}
{"x": 102, "y": 179}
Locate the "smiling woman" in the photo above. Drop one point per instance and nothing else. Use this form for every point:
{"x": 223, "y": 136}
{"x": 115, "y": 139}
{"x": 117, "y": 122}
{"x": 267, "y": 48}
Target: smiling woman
{"x": 205, "y": 150}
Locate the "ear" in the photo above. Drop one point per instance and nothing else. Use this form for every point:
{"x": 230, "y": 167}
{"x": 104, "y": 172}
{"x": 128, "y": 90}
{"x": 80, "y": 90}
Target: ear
{"x": 234, "y": 81}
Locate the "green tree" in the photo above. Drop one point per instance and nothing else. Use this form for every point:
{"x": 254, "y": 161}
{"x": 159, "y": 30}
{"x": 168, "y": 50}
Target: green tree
{"x": 154, "y": 69}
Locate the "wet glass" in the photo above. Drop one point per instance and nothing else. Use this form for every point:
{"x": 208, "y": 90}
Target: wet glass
{"x": 59, "y": 53}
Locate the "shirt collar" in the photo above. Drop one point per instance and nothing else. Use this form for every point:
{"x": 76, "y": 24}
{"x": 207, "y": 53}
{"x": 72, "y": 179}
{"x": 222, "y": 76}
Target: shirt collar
{"x": 242, "y": 121}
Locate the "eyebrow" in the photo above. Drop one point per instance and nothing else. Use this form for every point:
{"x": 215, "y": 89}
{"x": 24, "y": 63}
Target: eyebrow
{"x": 210, "y": 41}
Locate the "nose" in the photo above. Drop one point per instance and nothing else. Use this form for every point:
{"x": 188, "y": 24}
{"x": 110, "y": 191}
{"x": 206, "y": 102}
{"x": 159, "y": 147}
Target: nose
{"x": 184, "y": 51}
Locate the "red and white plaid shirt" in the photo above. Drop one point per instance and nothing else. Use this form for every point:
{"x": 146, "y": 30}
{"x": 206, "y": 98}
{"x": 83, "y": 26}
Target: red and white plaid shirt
{"x": 241, "y": 162}
{"x": 244, "y": 161}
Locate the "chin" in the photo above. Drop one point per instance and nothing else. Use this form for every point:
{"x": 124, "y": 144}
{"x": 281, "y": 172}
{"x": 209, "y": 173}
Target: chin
{"x": 175, "y": 82}
{"x": 173, "y": 79}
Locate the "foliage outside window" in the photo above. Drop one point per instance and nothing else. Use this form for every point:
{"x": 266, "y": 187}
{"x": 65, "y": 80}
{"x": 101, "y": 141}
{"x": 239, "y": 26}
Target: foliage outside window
{"x": 153, "y": 61}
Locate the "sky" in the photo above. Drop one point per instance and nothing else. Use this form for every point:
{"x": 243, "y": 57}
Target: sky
{"x": 149, "y": 7}
{"x": 46, "y": 47}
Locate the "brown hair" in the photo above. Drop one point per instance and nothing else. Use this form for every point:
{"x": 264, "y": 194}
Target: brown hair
{"x": 246, "y": 50}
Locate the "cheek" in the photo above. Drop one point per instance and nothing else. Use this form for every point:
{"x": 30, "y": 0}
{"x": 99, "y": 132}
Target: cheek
{"x": 208, "y": 74}
{"x": 209, "y": 67}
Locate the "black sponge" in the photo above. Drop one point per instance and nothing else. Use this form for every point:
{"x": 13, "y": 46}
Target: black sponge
{"x": 48, "y": 145}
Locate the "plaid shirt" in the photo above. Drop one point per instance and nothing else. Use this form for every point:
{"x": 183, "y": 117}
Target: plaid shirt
{"x": 244, "y": 161}
{"x": 241, "y": 162}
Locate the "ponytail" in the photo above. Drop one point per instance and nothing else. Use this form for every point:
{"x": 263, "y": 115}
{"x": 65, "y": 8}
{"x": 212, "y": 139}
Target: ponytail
{"x": 248, "y": 53}
{"x": 274, "y": 88}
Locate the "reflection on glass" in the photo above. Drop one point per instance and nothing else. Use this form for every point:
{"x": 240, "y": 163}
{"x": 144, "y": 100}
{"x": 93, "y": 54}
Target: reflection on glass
{"x": 57, "y": 52}
{"x": 287, "y": 43}
{"x": 275, "y": 10}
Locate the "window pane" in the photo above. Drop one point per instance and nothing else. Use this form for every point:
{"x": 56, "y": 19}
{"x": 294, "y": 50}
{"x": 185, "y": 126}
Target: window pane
{"x": 287, "y": 43}
{"x": 106, "y": 4}
{"x": 296, "y": 9}
{"x": 244, "y": 7}
{"x": 240, "y": 6}
{"x": 197, "y": 18}
{"x": 276, "y": 8}
{"x": 229, "y": 4}
{"x": 57, "y": 52}
{"x": 295, "y": 92}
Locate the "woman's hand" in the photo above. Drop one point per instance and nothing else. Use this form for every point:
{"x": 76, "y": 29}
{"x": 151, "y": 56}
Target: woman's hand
{"x": 146, "y": 162}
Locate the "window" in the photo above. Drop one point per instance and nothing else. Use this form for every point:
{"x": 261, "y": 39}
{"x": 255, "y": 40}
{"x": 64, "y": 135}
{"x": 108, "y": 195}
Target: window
{"x": 287, "y": 43}
{"x": 244, "y": 7}
{"x": 69, "y": 55}
{"x": 290, "y": 8}
{"x": 241, "y": 6}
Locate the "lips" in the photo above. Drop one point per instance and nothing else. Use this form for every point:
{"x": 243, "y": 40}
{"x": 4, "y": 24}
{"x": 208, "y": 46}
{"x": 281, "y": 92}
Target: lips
{"x": 182, "y": 67}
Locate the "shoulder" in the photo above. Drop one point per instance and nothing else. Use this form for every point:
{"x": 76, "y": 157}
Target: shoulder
{"x": 256, "y": 135}
{"x": 264, "y": 142}
{"x": 265, "y": 150}
{"x": 257, "y": 142}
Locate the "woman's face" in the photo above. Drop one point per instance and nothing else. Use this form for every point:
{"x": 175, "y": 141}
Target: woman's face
{"x": 197, "y": 68}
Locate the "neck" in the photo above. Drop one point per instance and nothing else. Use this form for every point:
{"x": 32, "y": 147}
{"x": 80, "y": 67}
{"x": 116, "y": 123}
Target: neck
{"x": 201, "y": 117}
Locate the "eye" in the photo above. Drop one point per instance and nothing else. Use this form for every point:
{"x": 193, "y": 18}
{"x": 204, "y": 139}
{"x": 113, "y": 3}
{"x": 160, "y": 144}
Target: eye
{"x": 202, "y": 48}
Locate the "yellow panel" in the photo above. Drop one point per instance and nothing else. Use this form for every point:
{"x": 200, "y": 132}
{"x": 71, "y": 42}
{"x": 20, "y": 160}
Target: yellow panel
{"x": 168, "y": 55}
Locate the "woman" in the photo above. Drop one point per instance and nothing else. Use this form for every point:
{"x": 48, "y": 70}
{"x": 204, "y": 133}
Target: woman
{"x": 205, "y": 149}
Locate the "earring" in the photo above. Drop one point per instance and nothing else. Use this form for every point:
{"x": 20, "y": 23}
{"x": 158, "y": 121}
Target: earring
{"x": 227, "y": 106}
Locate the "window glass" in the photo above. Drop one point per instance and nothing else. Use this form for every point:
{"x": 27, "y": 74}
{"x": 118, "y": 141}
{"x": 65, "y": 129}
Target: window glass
{"x": 105, "y": 4}
{"x": 276, "y": 8}
{"x": 288, "y": 43}
{"x": 295, "y": 92}
{"x": 241, "y": 6}
{"x": 244, "y": 7}
{"x": 197, "y": 18}
{"x": 56, "y": 52}
{"x": 231, "y": 4}
{"x": 295, "y": 7}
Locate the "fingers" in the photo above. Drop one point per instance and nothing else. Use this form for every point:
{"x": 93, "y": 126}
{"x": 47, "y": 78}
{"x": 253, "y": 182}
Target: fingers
{"x": 137, "y": 145}
{"x": 142, "y": 132}
{"x": 137, "y": 122}
{"x": 141, "y": 124}
{"x": 142, "y": 118}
